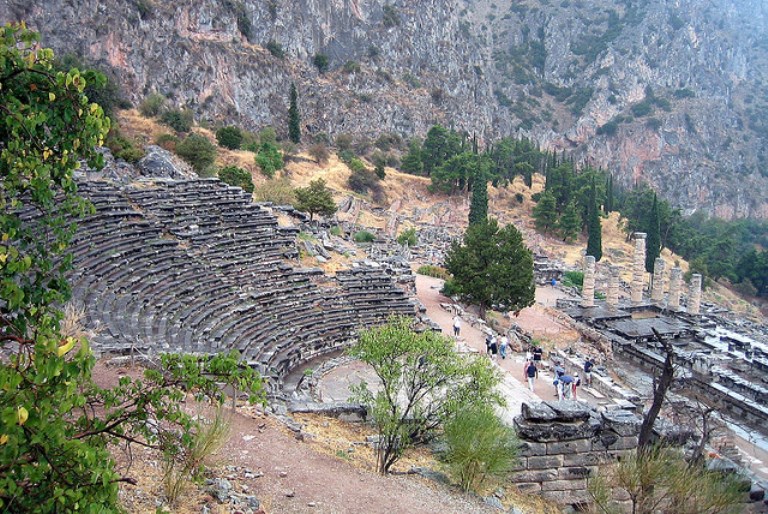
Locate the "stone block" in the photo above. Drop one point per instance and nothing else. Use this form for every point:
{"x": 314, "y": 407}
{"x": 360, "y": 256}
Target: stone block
{"x": 569, "y": 410}
{"x": 549, "y": 461}
{"x": 610, "y": 441}
{"x": 538, "y": 412}
{"x": 564, "y": 485}
{"x": 567, "y": 497}
{"x": 623, "y": 422}
{"x": 576, "y": 472}
{"x": 529, "y": 487}
{"x": 554, "y": 431}
{"x": 531, "y": 449}
{"x": 583, "y": 459}
{"x": 619, "y": 495}
{"x": 565, "y": 447}
{"x": 533, "y": 476}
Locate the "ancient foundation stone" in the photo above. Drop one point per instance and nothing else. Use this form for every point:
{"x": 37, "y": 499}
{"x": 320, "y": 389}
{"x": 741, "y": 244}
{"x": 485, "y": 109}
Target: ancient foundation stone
{"x": 563, "y": 444}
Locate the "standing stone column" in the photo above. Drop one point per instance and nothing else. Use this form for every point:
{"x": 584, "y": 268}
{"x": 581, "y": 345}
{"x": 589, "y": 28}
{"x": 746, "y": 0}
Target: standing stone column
{"x": 657, "y": 290}
{"x": 588, "y": 287}
{"x": 612, "y": 295}
{"x": 694, "y": 296}
{"x": 638, "y": 269}
{"x": 675, "y": 280}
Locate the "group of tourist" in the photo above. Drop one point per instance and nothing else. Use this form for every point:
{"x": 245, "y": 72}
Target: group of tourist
{"x": 565, "y": 384}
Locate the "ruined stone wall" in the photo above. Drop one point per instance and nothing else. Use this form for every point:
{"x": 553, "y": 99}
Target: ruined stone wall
{"x": 563, "y": 445}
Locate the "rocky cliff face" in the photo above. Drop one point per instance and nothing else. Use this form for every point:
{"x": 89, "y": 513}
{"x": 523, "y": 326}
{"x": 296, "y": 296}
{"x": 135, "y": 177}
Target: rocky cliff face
{"x": 670, "y": 92}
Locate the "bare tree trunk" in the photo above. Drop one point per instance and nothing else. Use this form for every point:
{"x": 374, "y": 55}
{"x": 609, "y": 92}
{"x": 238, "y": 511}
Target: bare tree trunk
{"x": 659, "y": 394}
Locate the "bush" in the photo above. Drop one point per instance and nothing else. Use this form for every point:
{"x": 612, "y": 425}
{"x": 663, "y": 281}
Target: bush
{"x": 480, "y": 447}
{"x": 519, "y": 198}
{"x": 121, "y": 147}
{"x": 352, "y": 67}
{"x": 433, "y": 271}
{"x": 275, "y": 48}
{"x": 391, "y": 17}
{"x": 269, "y": 159}
{"x": 198, "y": 152}
{"x": 573, "y": 279}
{"x": 152, "y": 105}
{"x": 238, "y": 177}
{"x": 230, "y": 137}
{"x": 344, "y": 142}
{"x": 449, "y": 288}
{"x": 178, "y": 120}
{"x": 408, "y": 236}
{"x": 319, "y": 153}
{"x": 167, "y": 141}
{"x": 336, "y": 231}
{"x": 278, "y": 191}
{"x": 321, "y": 62}
{"x": 364, "y": 236}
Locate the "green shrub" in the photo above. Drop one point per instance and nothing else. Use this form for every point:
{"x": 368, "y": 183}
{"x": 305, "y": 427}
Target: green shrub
{"x": 167, "y": 141}
{"x": 230, "y": 137}
{"x": 178, "y": 120}
{"x": 275, "y": 48}
{"x": 449, "y": 288}
{"x": 481, "y": 447}
{"x": 197, "y": 151}
{"x": 573, "y": 279}
{"x": 152, "y": 105}
{"x": 364, "y": 236}
{"x": 352, "y": 67}
{"x": 344, "y": 143}
{"x": 321, "y": 62}
{"x": 433, "y": 271}
{"x": 269, "y": 159}
{"x": 408, "y": 236}
{"x": 235, "y": 176}
{"x": 391, "y": 17}
{"x": 336, "y": 231}
{"x": 278, "y": 191}
{"x": 123, "y": 148}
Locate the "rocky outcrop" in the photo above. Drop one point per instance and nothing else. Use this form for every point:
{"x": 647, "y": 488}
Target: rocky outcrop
{"x": 668, "y": 93}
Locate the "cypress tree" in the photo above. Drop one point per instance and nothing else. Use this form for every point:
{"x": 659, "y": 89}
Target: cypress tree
{"x": 608, "y": 207}
{"x": 595, "y": 241}
{"x": 294, "y": 120}
{"x": 570, "y": 223}
{"x": 478, "y": 209}
{"x": 545, "y": 212}
{"x": 653, "y": 240}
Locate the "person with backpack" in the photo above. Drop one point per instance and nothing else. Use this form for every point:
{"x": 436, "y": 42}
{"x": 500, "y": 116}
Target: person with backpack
{"x": 530, "y": 372}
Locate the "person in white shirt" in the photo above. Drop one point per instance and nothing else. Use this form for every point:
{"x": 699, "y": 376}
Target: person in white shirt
{"x": 456, "y": 325}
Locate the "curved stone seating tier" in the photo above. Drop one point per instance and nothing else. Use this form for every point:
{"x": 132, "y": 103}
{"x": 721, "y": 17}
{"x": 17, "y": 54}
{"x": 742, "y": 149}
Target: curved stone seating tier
{"x": 194, "y": 266}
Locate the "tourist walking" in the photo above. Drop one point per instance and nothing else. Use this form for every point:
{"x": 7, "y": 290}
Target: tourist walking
{"x": 503, "y": 346}
{"x": 588, "y": 371}
{"x": 558, "y": 387}
{"x": 537, "y": 353}
{"x": 567, "y": 386}
{"x": 456, "y": 325}
{"x": 493, "y": 348}
{"x": 574, "y": 385}
{"x": 530, "y": 372}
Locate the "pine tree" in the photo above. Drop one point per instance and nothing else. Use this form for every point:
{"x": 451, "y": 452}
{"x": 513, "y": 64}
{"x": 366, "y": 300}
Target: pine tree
{"x": 570, "y": 223}
{"x": 294, "y": 120}
{"x": 478, "y": 209}
{"x": 545, "y": 212}
{"x": 411, "y": 162}
{"x": 595, "y": 241}
{"x": 653, "y": 240}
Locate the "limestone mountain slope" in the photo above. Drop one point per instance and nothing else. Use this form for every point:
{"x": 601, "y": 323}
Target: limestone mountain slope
{"x": 666, "y": 92}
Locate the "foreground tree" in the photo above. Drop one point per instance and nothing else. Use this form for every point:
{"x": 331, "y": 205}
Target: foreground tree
{"x": 315, "y": 199}
{"x": 55, "y": 424}
{"x": 423, "y": 382}
{"x": 660, "y": 480}
{"x": 492, "y": 267}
